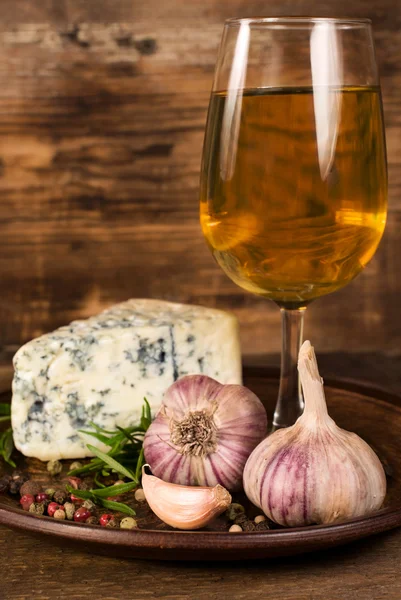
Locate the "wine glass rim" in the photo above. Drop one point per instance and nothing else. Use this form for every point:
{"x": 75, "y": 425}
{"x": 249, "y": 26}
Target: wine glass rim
{"x": 347, "y": 21}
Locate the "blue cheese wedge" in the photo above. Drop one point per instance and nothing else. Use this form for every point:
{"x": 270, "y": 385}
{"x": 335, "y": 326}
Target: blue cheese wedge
{"x": 99, "y": 370}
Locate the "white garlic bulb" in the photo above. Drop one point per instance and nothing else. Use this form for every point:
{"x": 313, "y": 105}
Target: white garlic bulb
{"x": 314, "y": 472}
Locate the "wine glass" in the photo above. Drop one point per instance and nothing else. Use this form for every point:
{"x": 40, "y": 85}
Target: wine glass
{"x": 294, "y": 176}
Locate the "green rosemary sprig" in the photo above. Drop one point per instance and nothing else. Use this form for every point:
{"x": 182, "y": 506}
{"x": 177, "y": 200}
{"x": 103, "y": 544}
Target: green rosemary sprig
{"x": 113, "y": 464}
{"x": 101, "y": 496}
{"x": 125, "y": 457}
{"x": 123, "y": 508}
{"x": 115, "y": 490}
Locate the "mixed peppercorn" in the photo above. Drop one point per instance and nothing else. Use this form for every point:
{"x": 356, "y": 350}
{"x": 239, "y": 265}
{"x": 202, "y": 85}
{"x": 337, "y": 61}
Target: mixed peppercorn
{"x": 241, "y": 522}
{"x": 58, "y": 503}
{"x": 66, "y": 506}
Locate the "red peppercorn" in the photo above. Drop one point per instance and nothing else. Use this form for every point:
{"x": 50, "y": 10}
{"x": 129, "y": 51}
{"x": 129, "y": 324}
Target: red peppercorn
{"x": 104, "y": 519}
{"x": 26, "y": 501}
{"x": 77, "y": 500}
{"x": 42, "y": 497}
{"x": 74, "y": 482}
{"x": 53, "y": 506}
{"x": 82, "y": 514}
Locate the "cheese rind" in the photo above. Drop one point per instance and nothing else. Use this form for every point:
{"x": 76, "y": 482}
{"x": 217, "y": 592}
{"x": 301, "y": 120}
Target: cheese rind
{"x": 101, "y": 369}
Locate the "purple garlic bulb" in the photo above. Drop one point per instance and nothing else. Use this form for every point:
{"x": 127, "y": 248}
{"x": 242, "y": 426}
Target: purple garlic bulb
{"x": 204, "y": 433}
{"x": 314, "y": 472}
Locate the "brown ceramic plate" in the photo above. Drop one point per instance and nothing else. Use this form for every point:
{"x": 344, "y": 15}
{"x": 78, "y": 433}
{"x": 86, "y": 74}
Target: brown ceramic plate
{"x": 372, "y": 413}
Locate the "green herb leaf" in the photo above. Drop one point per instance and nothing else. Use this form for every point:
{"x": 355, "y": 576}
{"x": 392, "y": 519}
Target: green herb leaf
{"x": 111, "y": 462}
{"x": 146, "y": 417}
{"x": 95, "y": 464}
{"x": 84, "y": 494}
{"x": 124, "y": 508}
{"x": 102, "y": 438}
{"x": 5, "y": 418}
{"x": 126, "y": 434}
{"x": 139, "y": 465}
{"x": 5, "y": 409}
{"x": 8, "y": 447}
{"x": 126, "y": 448}
{"x": 98, "y": 483}
{"x": 114, "y": 490}
{"x": 100, "y": 429}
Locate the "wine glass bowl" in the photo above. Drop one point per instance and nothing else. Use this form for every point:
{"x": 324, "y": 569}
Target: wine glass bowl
{"x": 294, "y": 176}
{"x": 278, "y": 226}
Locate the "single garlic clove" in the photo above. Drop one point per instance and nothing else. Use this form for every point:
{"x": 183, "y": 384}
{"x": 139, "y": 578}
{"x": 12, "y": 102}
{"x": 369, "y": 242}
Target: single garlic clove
{"x": 314, "y": 472}
{"x": 181, "y": 506}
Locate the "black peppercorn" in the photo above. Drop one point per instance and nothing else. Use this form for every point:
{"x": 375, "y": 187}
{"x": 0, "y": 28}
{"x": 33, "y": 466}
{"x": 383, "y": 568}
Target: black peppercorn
{"x": 60, "y": 496}
{"x": 19, "y": 476}
{"x": 245, "y": 523}
{"x": 14, "y": 486}
{"x": 240, "y": 519}
{"x": 30, "y": 487}
{"x": 17, "y": 479}
{"x": 248, "y": 526}
{"x": 4, "y": 483}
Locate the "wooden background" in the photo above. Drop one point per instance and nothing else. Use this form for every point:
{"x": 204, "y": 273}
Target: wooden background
{"x": 102, "y": 112}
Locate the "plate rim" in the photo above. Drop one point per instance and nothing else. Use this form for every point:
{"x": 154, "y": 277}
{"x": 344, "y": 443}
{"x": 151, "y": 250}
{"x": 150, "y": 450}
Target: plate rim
{"x": 42, "y": 524}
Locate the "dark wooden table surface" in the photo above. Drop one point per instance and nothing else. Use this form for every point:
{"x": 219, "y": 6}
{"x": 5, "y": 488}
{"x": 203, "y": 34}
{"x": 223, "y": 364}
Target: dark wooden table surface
{"x": 367, "y": 570}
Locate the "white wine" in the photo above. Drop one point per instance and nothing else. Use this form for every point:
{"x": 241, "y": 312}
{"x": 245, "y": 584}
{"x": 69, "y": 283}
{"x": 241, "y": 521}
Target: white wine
{"x": 294, "y": 188}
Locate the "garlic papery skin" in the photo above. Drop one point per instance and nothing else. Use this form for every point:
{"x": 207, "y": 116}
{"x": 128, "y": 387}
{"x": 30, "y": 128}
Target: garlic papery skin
{"x": 181, "y": 506}
{"x": 314, "y": 472}
{"x": 204, "y": 433}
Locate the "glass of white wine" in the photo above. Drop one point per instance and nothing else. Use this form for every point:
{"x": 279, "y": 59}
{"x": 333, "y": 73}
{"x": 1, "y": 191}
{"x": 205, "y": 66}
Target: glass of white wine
{"x": 294, "y": 174}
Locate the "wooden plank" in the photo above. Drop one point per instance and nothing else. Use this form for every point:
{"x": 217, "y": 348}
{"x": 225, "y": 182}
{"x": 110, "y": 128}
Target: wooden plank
{"x": 363, "y": 570}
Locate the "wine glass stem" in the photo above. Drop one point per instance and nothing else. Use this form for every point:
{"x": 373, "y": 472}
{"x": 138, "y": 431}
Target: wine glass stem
{"x": 290, "y": 402}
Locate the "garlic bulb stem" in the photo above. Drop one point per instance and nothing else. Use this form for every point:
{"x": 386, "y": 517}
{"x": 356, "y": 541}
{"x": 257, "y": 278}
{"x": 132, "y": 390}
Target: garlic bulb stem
{"x": 312, "y": 386}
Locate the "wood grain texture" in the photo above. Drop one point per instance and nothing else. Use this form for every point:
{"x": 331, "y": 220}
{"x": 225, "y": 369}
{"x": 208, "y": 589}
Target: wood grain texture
{"x": 365, "y": 570}
{"x": 102, "y": 113}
